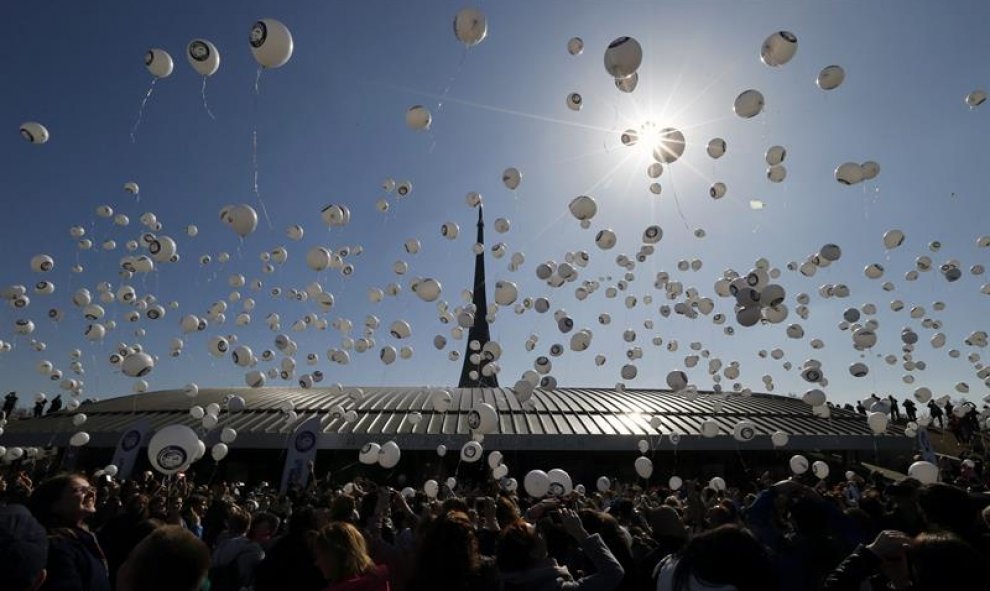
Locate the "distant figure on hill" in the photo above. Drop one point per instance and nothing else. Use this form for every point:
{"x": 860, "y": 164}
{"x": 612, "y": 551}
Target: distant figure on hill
{"x": 936, "y": 413}
{"x": 56, "y": 405}
{"x": 39, "y": 408}
{"x": 895, "y": 409}
{"x": 9, "y": 403}
{"x": 910, "y": 409}
{"x": 860, "y": 408}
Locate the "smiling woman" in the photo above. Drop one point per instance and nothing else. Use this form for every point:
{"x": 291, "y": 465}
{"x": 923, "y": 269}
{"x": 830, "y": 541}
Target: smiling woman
{"x": 62, "y": 504}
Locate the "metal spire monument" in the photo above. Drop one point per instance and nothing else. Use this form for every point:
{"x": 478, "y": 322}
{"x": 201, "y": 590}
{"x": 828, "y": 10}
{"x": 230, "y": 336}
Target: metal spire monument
{"x": 473, "y": 374}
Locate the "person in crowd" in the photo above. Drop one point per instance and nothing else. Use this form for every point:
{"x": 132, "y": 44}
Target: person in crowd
{"x": 895, "y": 409}
{"x": 860, "y": 408}
{"x": 170, "y": 558}
{"x": 722, "y": 559}
{"x": 264, "y": 527}
{"x": 448, "y": 557}
{"x": 39, "y": 408}
{"x": 524, "y": 565}
{"x": 935, "y": 411}
{"x": 123, "y": 531}
{"x": 342, "y": 556}
{"x": 55, "y": 405}
{"x": 234, "y": 560}
{"x": 910, "y": 409}
{"x": 23, "y": 550}
{"x": 290, "y": 563}
{"x": 75, "y": 559}
{"x": 894, "y": 560}
{"x": 807, "y": 534}
{"x": 9, "y": 404}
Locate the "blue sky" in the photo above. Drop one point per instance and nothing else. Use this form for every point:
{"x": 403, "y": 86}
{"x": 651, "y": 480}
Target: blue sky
{"x": 330, "y": 128}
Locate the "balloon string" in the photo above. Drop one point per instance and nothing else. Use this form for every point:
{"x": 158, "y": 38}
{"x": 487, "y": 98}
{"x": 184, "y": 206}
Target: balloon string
{"x": 202, "y": 92}
{"x": 677, "y": 202}
{"x": 450, "y": 81}
{"x": 254, "y": 151}
{"x": 140, "y": 115}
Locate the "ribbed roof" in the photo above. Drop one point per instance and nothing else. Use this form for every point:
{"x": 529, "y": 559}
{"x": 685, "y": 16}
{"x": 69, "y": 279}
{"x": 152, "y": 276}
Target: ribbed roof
{"x": 565, "y": 418}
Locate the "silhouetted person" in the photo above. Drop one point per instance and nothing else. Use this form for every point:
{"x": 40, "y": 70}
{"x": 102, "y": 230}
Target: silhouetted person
{"x": 9, "y": 403}
{"x": 910, "y": 409}
{"x": 936, "y": 414}
{"x": 56, "y": 405}
{"x": 39, "y": 408}
{"x": 860, "y": 408}
{"x": 895, "y": 409}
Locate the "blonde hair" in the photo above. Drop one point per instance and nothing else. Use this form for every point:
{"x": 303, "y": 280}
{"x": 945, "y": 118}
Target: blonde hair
{"x": 344, "y": 545}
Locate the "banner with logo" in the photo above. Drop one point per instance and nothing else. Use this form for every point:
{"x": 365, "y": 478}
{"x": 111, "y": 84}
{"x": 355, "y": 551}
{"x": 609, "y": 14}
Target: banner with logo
{"x": 925, "y": 446}
{"x": 128, "y": 447}
{"x": 301, "y": 451}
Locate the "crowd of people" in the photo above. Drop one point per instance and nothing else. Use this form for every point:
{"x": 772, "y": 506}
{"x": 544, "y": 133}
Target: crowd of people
{"x": 95, "y": 533}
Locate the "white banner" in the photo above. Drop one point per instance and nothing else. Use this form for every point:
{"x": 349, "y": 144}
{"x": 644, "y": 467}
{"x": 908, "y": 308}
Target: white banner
{"x": 300, "y": 452}
{"x": 128, "y": 447}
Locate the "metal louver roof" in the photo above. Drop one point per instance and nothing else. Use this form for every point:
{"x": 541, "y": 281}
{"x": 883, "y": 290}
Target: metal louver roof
{"x": 560, "y": 419}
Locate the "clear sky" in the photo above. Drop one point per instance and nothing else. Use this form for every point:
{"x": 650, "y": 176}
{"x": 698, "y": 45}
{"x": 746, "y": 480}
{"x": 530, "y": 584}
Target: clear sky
{"x": 331, "y": 128}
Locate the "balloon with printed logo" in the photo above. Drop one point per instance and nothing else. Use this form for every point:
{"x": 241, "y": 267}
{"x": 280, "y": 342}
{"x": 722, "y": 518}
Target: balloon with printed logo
{"x": 172, "y": 449}
{"x": 203, "y": 57}
{"x": 271, "y": 43}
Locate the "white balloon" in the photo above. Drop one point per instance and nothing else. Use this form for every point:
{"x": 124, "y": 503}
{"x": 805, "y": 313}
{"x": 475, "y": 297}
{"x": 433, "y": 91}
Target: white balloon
{"x": 820, "y": 470}
{"x": 924, "y": 472}
{"x": 79, "y": 439}
{"x": 431, "y": 488}
{"x": 418, "y": 117}
{"x": 976, "y": 98}
{"x": 271, "y": 43}
{"x": 877, "y": 422}
{"x": 470, "y": 26}
{"x": 799, "y": 464}
{"x": 389, "y": 455}
{"x": 228, "y": 435}
{"x": 172, "y": 448}
{"x": 369, "y": 454}
{"x": 575, "y": 46}
{"x": 219, "y": 451}
{"x": 748, "y": 104}
{"x": 830, "y": 77}
{"x": 159, "y": 63}
{"x": 779, "y": 48}
{"x": 34, "y": 132}
{"x": 675, "y": 483}
{"x": 716, "y": 148}
{"x": 603, "y": 484}
{"x": 203, "y": 57}
{"x": 623, "y": 57}
{"x": 849, "y": 173}
{"x": 536, "y": 483}
{"x": 779, "y": 439}
{"x": 644, "y": 466}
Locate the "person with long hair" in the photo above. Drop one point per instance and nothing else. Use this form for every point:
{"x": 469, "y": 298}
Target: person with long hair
{"x": 342, "y": 556}
{"x": 448, "y": 558}
{"x": 62, "y": 504}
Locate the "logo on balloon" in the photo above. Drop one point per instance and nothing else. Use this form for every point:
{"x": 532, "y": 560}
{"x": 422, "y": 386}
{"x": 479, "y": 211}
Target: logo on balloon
{"x": 171, "y": 457}
{"x": 474, "y": 419}
{"x": 747, "y": 433}
{"x": 258, "y": 34}
{"x": 556, "y": 489}
{"x": 305, "y": 441}
{"x": 200, "y": 52}
{"x": 469, "y": 451}
{"x": 131, "y": 440}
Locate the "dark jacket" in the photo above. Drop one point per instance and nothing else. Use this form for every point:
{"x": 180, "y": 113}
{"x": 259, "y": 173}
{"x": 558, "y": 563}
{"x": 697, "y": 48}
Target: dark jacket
{"x": 862, "y": 565}
{"x": 551, "y": 577}
{"x": 75, "y": 562}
